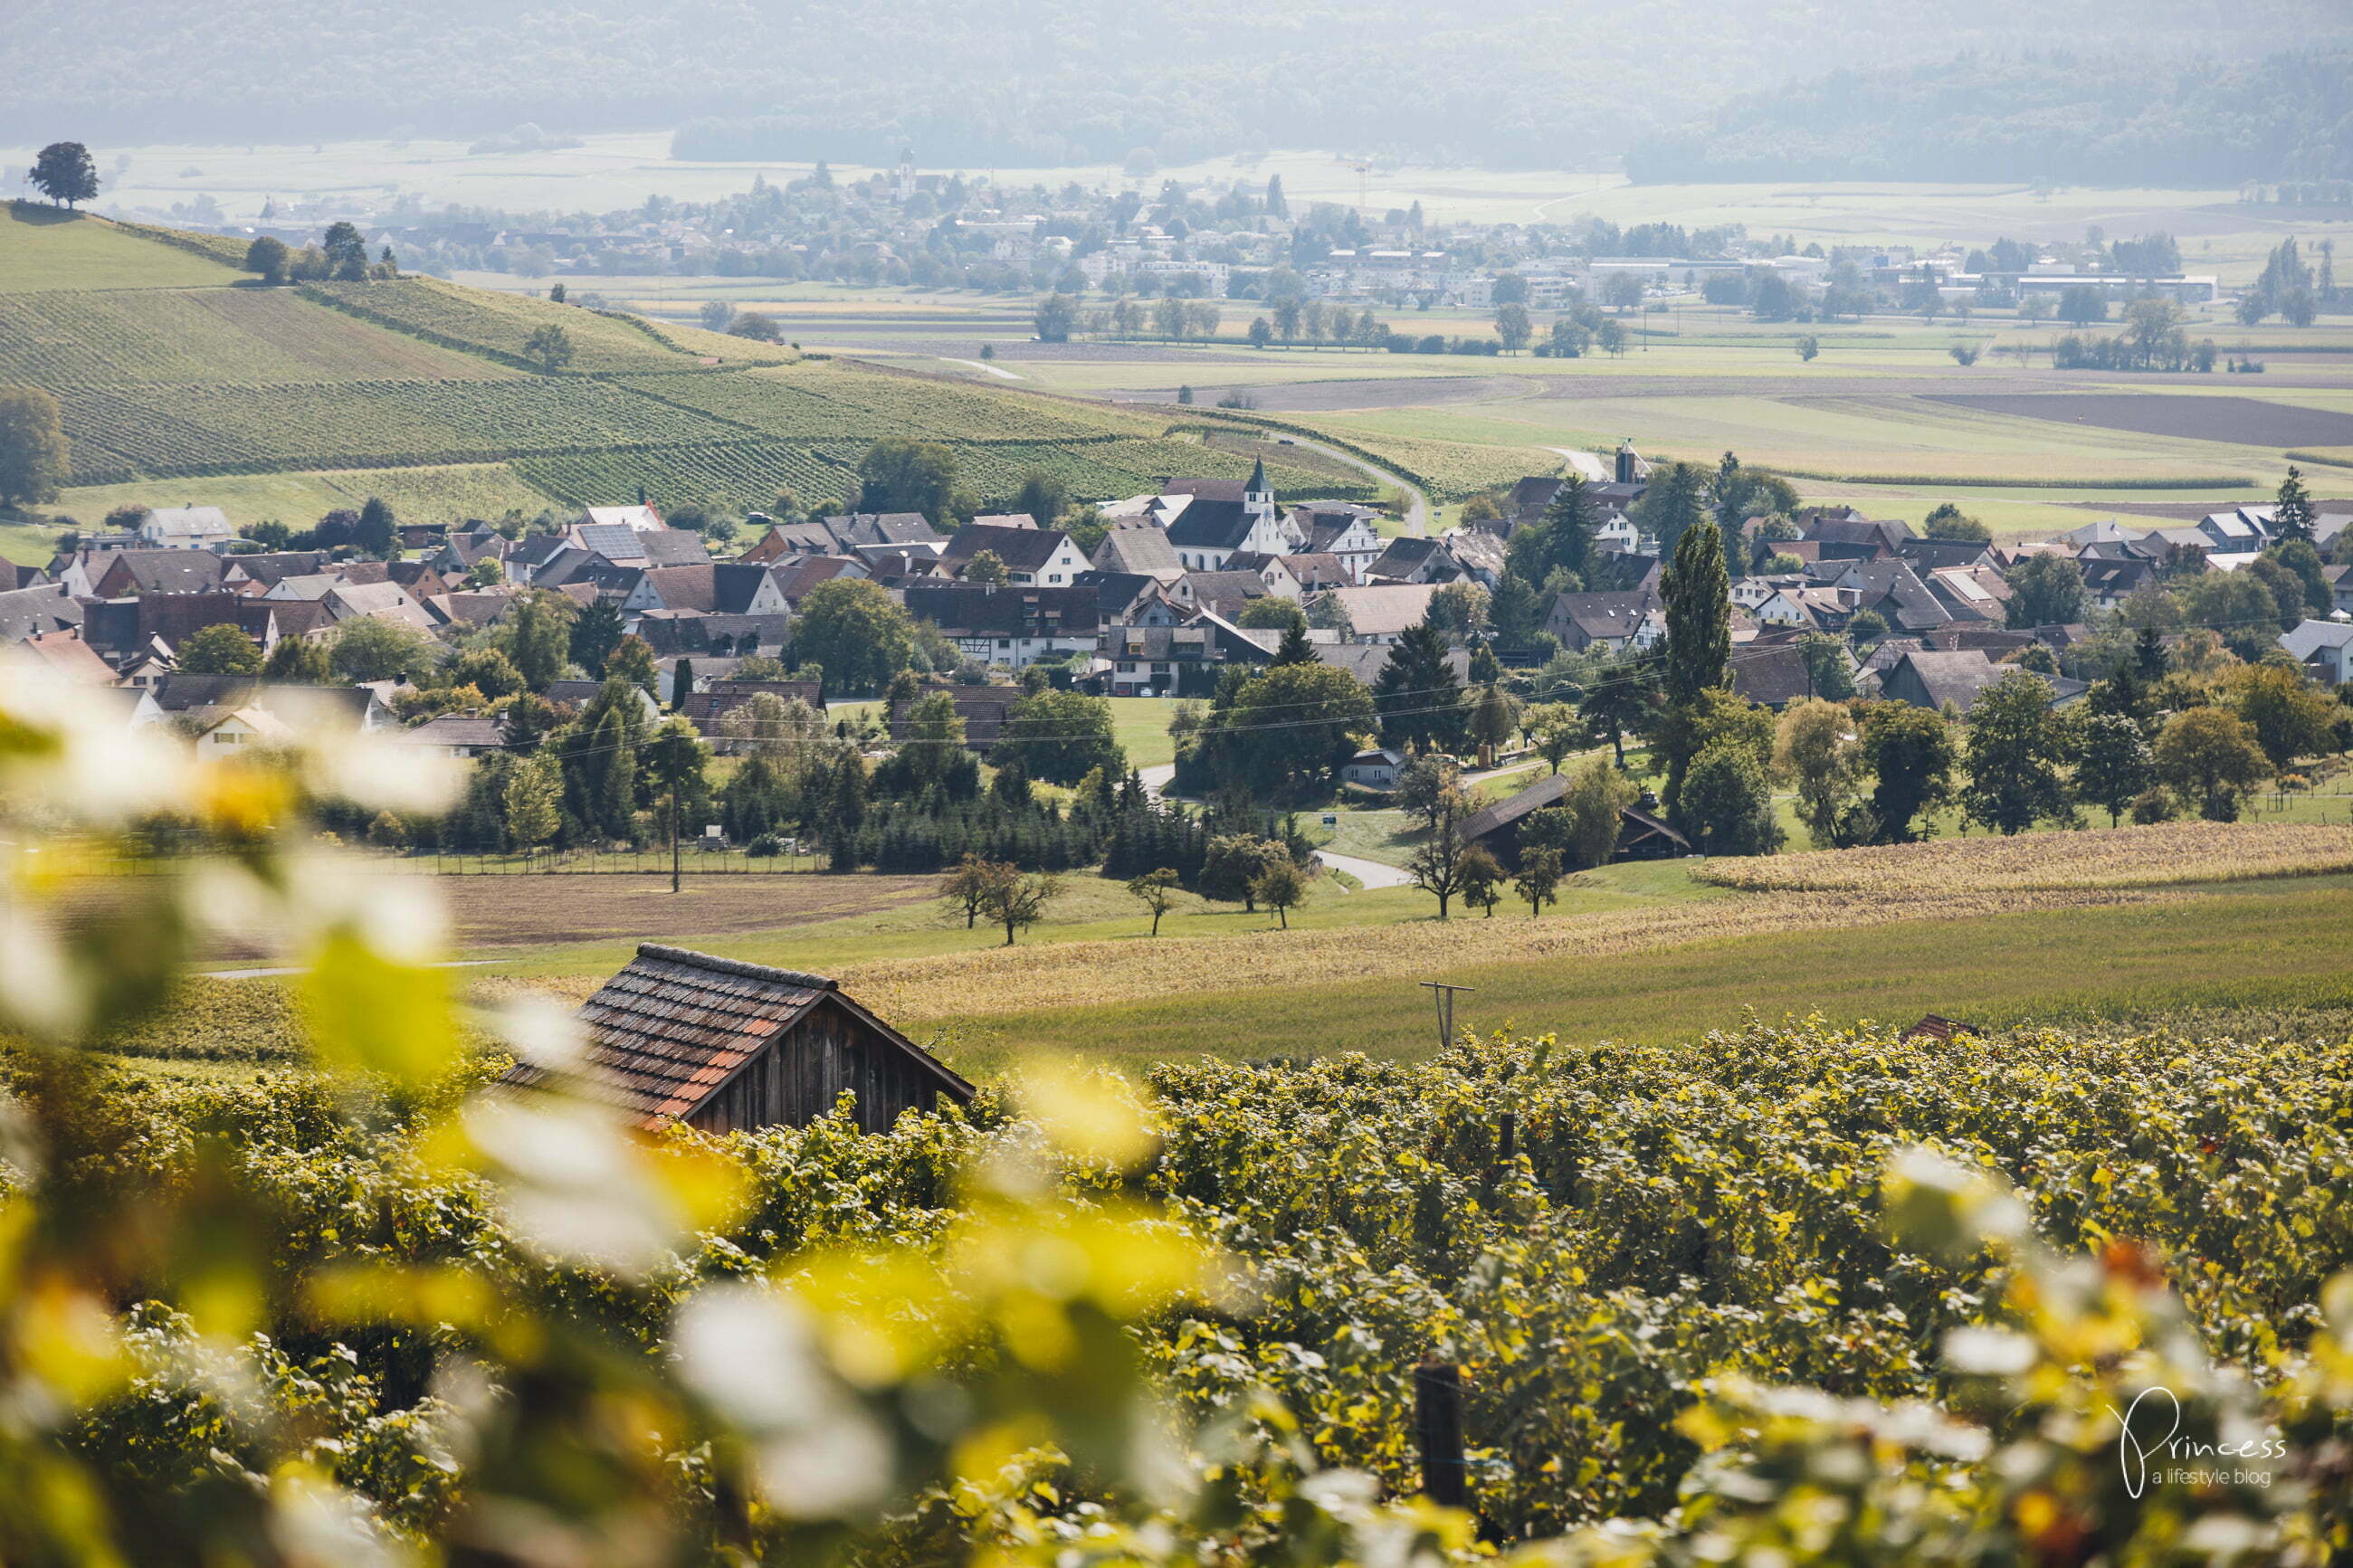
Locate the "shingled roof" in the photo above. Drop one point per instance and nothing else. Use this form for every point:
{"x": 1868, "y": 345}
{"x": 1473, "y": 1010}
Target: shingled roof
{"x": 669, "y": 1031}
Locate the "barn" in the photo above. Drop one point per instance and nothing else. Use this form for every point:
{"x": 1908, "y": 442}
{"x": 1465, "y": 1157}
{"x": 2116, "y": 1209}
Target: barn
{"x": 726, "y": 1046}
{"x": 1496, "y": 828}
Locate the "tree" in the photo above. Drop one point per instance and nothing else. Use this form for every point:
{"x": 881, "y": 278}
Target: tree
{"x": 2292, "y": 511}
{"x": 1594, "y": 809}
{"x": 674, "y": 758}
{"x": 1818, "y": 750}
{"x": 1261, "y": 333}
{"x": 1512, "y": 328}
{"x": 33, "y": 451}
{"x": 681, "y": 683}
{"x": 1423, "y": 784}
{"x": 853, "y": 628}
{"x": 715, "y": 315}
{"x": 1055, "y": 316}
{"x": 346, "y": 252}
{"x": 1495, "y": 715}
{"x": 64, "y": 172}
{"x": 1156, "y": 890}
{"x": 1267, "y": 613}
{"x": 965, "y": 886}
{"x": 1675, "y": 502}
{"x": 538, "y": 637}
{"x": 756, "y": 326}
{"x": 297, "y": 661}
{"x": 2290, "y": 717}
{"x": 1727, "y": 802}
{"x": 1437, "y": 866}
{"x": 1699, "y": 644}
{"x": 1043, "y": 496}
{"x": 2114, "y": 764}
{"x": 1294, "y": 648}
{"x": 533, "y": 792}
{"x": 1699, "y": 615}
{"x": 1809, "y": 347}
{"x": 2083, "y": 304}
{"x": 218, "y": 651}
{"x": 1060, "y": 737}
{"x": 1282, "y": 886}
{"x": 1418, "y": 694}
{"x": 1539, "y": 880}
{"x": 632, "y": 660}
{"x": 1911, "y": 755}
{"x": 1621, "y": 701}
{"x": 1231, "y": 866}
{"x": 1557, "y": 729}
{"x": 1019, "y": 901}
{"x": 549, "y": 347}
{"x": 379, "y": 532}
{"x": 2045, "y": 591}
{"x": 900, "y": 475}
{"x": 987, "y": 567}
{"x": 269, "y": 258}
{"x": 487, "y": 670}
{"x": 2211, "y": 755}
{"x": 1948, "y": 521}
{"x": 370, "y": 648}
{"x": 2017, "y": 746}
{"x": 594, "y": 633}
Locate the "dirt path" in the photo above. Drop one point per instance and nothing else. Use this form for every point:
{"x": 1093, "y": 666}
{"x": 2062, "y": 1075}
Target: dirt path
{"x": 529, "y": 910}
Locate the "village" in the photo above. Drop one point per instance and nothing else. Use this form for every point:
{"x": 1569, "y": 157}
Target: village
{"x": 1321, "y": 655}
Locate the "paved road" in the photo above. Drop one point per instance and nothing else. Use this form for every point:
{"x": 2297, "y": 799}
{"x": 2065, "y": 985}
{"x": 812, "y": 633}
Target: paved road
{"x": 1371, "y": 873}
{"x": 982, "y": 365}
{"x": 1589, "y": 465}
{"x": 1158, "y": 778}
{"x": 1417, "y": 505}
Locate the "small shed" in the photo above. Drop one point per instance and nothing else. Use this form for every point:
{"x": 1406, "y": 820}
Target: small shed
{"x": 726, "y": 1046}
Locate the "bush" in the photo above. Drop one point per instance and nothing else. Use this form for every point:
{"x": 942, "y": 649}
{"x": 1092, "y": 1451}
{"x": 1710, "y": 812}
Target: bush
{"x": 767, "y": 846}
{"x": 2154, "y": 805}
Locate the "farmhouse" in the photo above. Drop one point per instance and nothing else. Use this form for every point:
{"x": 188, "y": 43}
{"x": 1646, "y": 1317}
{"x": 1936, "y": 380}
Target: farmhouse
{"x": 723, "y": 1046}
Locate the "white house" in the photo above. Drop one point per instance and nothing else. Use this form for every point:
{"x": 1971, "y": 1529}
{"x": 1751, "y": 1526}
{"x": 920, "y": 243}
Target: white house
{"x": 2326, "y": 648}
{"x": 1375, "y": 769}
{"x": 189, "y": 527}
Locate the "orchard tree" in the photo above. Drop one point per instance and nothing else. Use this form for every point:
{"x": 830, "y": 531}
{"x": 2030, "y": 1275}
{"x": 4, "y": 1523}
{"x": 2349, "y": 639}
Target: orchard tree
{"x": 64, "y": 172}
{"x": 1282, "y": 886}
{"x": 1437, "y": 866}
{"x": 549, "y": 347}
{"x": 1594, "y": 813}
{"x": 1156, "y": 890}
{"x": 1539, "y": 881}
{"x": 269, "y": 257}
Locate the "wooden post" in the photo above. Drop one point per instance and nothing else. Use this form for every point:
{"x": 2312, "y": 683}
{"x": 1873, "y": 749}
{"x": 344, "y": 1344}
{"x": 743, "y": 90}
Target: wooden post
{"x": 1508, "y": 1137}
{"x": 1438, "y": 1430}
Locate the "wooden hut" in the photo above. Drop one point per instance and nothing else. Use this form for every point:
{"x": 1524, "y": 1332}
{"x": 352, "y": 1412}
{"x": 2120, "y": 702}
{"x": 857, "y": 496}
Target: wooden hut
{"x": 727, "y": 1046}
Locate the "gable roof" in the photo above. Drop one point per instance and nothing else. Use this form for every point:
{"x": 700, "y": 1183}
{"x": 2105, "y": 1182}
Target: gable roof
{"x": 30, "y": 612}
{"x": 1144, "y": 550}
{"x": 1022, "y": 549}
{"x": 1212, "y": 524}
{"x": 167, "y": 571}
{"x": 1386, "y": 609}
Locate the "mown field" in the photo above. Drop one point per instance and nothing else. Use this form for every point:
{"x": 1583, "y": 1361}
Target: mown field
{"x": 174, "y": 370}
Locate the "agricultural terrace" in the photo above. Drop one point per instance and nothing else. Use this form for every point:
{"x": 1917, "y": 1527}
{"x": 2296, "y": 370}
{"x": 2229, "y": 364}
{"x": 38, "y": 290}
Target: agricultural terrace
{"x": 171, "y": 366}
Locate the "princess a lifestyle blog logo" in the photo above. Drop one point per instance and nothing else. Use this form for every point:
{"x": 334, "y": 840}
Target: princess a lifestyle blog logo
{"x": 2153, "y": 1452}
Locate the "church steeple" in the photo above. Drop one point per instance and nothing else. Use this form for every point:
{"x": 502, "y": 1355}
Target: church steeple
{"x": 1255, "y": 492}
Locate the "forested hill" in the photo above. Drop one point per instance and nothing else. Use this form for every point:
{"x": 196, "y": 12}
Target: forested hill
{"x": 2097, "y": 121}
{"x": 1012, "y": 83}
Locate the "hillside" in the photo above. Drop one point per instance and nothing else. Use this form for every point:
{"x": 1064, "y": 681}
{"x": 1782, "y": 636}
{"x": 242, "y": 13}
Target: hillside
{"x": 2114, "y": 119}
{"x": 171, "y": 366}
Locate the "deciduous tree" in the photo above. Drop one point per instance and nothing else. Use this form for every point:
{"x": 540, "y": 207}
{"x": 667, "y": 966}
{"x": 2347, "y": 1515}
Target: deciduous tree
{"x": 218, "y": 651}
{"x": 2017, "y": 750}
{"x": 1539, "y": 880}
{"x": 2212, "y": 756}
{"x": 33, "y": 451}
{"x": 1156, "y": 890}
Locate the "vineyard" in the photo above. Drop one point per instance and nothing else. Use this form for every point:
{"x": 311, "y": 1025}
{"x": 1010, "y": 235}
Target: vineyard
{"x": 2140, "y": 856}
{"x": 247, "y": 336}
{"x": 334, "y": 380}
{"x": 498, "y": 324}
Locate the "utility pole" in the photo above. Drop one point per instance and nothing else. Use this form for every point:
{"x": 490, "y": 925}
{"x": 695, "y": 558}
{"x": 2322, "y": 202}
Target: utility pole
{"x": 673, "y": 838}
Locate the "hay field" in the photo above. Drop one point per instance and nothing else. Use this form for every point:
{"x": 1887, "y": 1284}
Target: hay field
{"x": 2141, "y": 857}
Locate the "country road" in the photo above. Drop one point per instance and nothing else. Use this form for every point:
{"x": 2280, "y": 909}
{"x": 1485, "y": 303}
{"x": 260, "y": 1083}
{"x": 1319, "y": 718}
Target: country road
{"x": 1371, "y": 873}
{"x": 1416, "y": 509}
